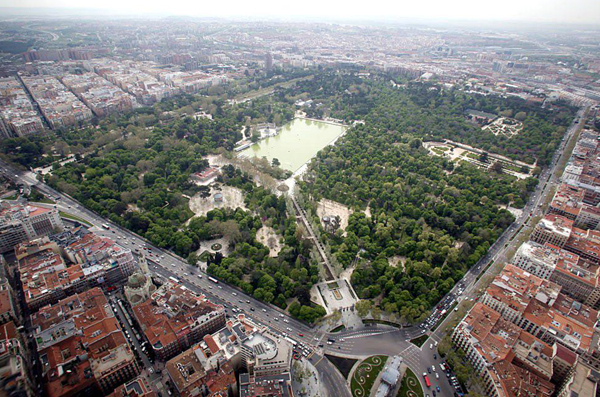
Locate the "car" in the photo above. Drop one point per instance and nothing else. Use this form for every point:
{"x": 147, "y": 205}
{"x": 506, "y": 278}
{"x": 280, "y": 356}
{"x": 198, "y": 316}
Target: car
{"x": 234, "y": 293}
{"x": 247, "y": 301}
{"x": 437, "y": 388}
{"x": 264, "y": 310}
{"x": 428, "y": 369}
{"x": 251, "y": 309}
{"x": 437, "y": 376}
{"x": 431, "y": 345}
{"x": 434, "y": 356}
{"x": 433, "y": 368}
{"x": 301, "y": 335}
{"x": 435, "y": 343}
{"x": 433, "y": 392}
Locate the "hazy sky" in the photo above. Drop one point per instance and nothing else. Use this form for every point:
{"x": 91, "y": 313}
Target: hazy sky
{"x": 558, "y": 11}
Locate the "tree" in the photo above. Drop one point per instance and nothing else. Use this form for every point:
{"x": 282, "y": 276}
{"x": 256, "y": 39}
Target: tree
{"x": 192, "y": 259}
{"x": 521, "y": 116}
{"x": 496, "y": 167}
{"x": 275, "y": 162}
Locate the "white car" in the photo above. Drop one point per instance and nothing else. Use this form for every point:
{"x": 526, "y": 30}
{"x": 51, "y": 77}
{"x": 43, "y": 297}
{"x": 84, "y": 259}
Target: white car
{"x": 431, "y": 345}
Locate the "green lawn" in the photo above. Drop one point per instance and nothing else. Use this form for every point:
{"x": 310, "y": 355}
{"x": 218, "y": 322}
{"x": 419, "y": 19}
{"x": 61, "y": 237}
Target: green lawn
{"x": 344, "y": 365}
{"x": 420, "y": 340}
{"x": 338, "y": 328}
{"x": 45, "y": 200}
{"x": 74, "y": 218}
{"x": 410, "y": 386}
{"x": 364, "y": 376}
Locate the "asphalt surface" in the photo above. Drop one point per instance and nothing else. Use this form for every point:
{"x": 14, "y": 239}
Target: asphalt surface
{"x": 348, "y": 343}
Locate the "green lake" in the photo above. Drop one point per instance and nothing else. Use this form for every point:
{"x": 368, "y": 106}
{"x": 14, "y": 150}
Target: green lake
{"x": 297, "y": 143}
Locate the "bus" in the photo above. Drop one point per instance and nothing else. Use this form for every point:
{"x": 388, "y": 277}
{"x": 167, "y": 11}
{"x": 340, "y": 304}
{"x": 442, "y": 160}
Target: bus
{"x": 174, "y": 279}
{"x": 214, "y": 280}
{"x": 427, "y": 382}
{"x": 293, "y": 342}
{"x": 104, "y": 225}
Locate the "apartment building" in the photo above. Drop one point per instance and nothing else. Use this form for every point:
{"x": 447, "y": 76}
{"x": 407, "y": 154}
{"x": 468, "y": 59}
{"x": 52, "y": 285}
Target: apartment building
{"x": 45, "y": 277}
{"x": 195, "y": 373}
{"x": 509, "y": 362}
{"x": 539, "y": 307}
{"x": 138, "y": 387}
{"x": 23, "y": 222}
{"x": 552, "y": 229}
{"x": 81, "y": 347}
{"x": 175, "y": 318}
{"x": 14, "y": 375}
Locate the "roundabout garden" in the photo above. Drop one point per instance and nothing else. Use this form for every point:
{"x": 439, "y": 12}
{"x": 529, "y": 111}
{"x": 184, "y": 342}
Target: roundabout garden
{"x": 365, "y": 374}
{"x": 410, "y": 387}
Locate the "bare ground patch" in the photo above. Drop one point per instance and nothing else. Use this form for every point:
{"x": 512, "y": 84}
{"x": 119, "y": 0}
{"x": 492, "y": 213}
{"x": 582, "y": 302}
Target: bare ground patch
{"x": 232, "y": 198}
{"x": 332, "y": 209}
{"x": 397, "y": 261}
{"x": 269, "y": 238}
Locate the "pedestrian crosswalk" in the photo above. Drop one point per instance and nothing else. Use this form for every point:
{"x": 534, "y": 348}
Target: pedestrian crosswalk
{"x": 368, "y": 334}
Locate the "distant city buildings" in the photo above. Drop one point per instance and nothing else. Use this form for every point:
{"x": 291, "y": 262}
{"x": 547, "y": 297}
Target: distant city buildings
{"x": 58, "y": 105}
{"x": 102, "y": 97}
{"x": 18, "y": 116}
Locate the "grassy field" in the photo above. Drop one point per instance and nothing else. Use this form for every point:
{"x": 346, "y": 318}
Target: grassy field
{"x": 74, "y": 218}
{"x": 45, "y": 200}
{"x": 344, "y": 365}
{"x": 410, "y": 386}
{"x": 420, "y": 340}
{"x": 364, "y": 376}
